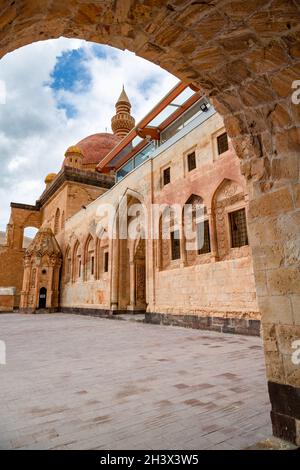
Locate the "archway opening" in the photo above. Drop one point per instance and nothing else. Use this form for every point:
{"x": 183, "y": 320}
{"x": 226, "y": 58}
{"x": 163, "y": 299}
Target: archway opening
{"x": 28, "y": 235}
{"x": 42, "y": 298}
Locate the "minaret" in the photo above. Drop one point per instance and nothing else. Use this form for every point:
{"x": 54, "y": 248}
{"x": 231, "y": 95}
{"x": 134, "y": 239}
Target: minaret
{"x": 122, "y": 122}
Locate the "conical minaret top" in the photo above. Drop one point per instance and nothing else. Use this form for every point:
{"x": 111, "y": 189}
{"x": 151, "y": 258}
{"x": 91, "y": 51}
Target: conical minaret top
{"x": 122, "y": 122}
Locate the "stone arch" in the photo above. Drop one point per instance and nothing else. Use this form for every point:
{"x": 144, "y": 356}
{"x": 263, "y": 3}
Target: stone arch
{"x": 28, "y": 235}
{"x": 41, "y": 270}
{"x": 123, "y": 263}
{"x": 196, "y": 243}
{"x": 103, "y": 252}
{"x": 169, "y": 251}
{"x": 127, "y": 199}
{"x": 67, "y": 264}
{"x": 76, "y": 261}
{"x": 89, "y": 261}
{"x": 245, "y": 56}
{"x": 22, "y": 216}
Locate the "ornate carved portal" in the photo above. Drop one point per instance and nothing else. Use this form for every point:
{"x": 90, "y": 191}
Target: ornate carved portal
{"x": 42, "y": 264}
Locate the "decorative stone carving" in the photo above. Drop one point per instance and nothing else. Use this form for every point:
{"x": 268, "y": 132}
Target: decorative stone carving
{"x": 41, "y": 273}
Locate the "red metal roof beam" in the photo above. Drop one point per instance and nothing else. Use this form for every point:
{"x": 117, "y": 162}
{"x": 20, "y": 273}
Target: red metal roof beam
{"x": 179, "y": 88}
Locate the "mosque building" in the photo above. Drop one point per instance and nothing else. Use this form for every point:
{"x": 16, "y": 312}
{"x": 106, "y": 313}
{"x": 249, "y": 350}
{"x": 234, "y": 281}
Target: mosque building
{"x": 178, "y": 155}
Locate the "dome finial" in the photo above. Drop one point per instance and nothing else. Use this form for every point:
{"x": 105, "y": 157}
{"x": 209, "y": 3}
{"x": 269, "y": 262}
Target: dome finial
{"x": 123, "y": 98}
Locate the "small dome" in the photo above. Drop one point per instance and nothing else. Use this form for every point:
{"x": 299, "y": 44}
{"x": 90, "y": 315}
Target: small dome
{"x": 95, "y": 147}
{"x": 73, "y": 149}
{"x": 50, "y": 177}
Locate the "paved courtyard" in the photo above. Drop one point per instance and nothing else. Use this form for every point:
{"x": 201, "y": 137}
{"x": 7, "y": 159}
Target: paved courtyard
{"x": 74, "y": 382}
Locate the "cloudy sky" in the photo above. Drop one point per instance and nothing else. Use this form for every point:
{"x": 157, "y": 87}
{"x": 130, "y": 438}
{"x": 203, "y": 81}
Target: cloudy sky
{"x": 58, "y": 92}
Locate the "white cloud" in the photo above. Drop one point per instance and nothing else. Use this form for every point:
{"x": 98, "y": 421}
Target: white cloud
{"x": 35, "y": 133}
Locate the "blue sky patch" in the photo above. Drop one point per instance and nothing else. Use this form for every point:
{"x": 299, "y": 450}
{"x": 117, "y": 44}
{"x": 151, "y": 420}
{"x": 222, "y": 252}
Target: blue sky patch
{"x": 70, "y": 72}
{"x": 70, "y": 109}
{"x": 99, "y": 51}
{"x": 72, "y": 75}
{"x": 146, "y": 85}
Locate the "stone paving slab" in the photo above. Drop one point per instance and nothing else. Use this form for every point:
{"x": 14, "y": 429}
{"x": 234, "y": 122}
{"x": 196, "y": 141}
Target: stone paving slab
{"x": 78, "y": 382}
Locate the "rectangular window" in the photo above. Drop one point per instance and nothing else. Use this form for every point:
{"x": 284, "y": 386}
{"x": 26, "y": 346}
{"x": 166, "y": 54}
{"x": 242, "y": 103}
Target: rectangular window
{"x": 238, "y": 228}
{"x": 92, "y": 265}
{"x": 191, "y": 161}
{"x": 222, "y": 143}
{"x": 167, "y": 176}
{"x": 106, "y": 262}
{"x": 203, "y": 238}
{"x": 175, "y": 244}
{"x": 79, "y": 269}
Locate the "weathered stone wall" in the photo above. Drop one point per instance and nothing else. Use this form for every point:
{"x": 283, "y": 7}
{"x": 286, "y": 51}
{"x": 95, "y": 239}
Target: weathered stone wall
{"x": 12, "y": 253}
{"x": 220, "y": 288}
{"x": 11, "y": 270}
{"x": 97, "y": 293}
{"x": 7, "y": 301}
{"x": 224, "y": 288}
{"x": 69, "y": 200}
{"x": 209, "y": 287}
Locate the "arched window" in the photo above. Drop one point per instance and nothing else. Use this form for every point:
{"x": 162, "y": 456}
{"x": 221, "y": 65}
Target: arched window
{"x": 68, "y": 264}
{"x": 56, "y": 221}
{"x": 90, "y": 259}
{"x": 28, "y": 235}
{"x": 196, "y": 230}
{"x": 170, "y": 234}
{"x": 77, "y": 266}
{"x": 229, "y": 208}
{"x": 102, "y": 255}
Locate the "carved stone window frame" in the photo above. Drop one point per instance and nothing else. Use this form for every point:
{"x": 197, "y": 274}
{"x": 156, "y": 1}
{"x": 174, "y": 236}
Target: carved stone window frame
{"x": 232, "y": 208}
{"x": 214, "y": 143}
{"x": 185, "y": 160}
{"x": 162, "y": 169}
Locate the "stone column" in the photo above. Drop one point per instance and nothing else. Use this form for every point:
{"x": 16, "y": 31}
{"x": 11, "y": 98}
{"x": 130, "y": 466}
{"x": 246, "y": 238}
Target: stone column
{"x": 274, "y": 221}
{"x": 213, "y": 234}
{"x": 132, "y": 284}
{"x": 50, "y": 287}
{"x": 37, "y": 288}
{"x": 25, "y": 285}
{"x": 182, "y": 246}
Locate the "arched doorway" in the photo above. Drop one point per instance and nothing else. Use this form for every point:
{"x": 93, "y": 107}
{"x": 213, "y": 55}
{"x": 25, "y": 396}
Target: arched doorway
{"x": 42, "y": 298}
{"x": 28, "y": 235}
{"x": 129, "y": 261}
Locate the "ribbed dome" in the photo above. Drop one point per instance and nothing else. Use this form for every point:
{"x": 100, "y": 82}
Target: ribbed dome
{"x": 97, "y": 146}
